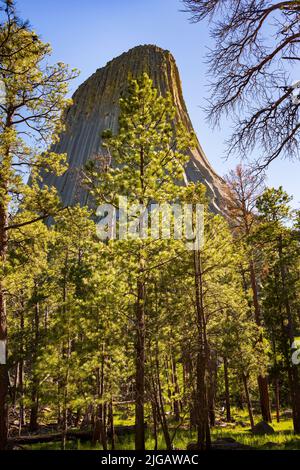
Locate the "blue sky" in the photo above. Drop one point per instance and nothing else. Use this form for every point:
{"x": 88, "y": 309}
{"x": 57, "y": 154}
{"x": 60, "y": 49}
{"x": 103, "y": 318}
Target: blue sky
{"x": 87, "y": 34}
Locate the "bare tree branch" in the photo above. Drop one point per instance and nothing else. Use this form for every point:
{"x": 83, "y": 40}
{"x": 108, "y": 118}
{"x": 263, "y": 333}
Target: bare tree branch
{"x": 256, "y": 46}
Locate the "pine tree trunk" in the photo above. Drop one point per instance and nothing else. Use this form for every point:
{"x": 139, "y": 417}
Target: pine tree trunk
{"x": 99, "y": 434}
{"x": 167, "y": 374}
{"x": 21, "y": 373}
{"x": 190, "y": 373}
{"x": 203, "y": 431}
{"x": 14, "y": 388}
{"x": 277, "y": 399}
{"x": 33, "y": 424}
{"x": 111, "y": 425}
{"x": 4, "y": 381}
{"x": 249, "y": 405}
{"x": 65, "y": 410}
{"x": 212, "y": 374}
{"x": 64, "y": 422}
{"x": 154, "y": 418}
{"x": 103, "y": 407}
{"x": 22, "y": 395}
{"x": 176, "y": 405}
{"x": 263, "y": 388}
{"x": 164, "y": 422}
{"x": 66, "y": 354}
{"x": 262, "y": 381}
{"x": 103, "y": 427}
{"x": 140, "y": 368}
{"x": 227, "y": 392}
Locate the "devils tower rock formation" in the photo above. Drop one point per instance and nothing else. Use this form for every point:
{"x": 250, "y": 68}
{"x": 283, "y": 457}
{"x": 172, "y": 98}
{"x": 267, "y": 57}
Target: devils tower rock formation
{"x": 95, "y": 108}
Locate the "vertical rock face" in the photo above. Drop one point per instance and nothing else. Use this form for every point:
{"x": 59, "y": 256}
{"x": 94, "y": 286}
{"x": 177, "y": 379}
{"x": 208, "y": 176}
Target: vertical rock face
{"x": 95, "y": 108}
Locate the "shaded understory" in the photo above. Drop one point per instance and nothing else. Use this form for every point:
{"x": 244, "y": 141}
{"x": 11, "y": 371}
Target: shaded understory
{"x": 282, "y": 439}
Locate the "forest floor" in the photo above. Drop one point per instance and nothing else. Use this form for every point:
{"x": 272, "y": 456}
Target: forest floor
{"x": 239, "y": 430}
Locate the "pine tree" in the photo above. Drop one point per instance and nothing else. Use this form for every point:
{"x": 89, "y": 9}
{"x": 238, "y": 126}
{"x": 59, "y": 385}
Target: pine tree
{"x": 282, "y": 253}
{"x": 245, "y": 188}
{"x": 33, "y": 102}
{"x": 149, "y": 154}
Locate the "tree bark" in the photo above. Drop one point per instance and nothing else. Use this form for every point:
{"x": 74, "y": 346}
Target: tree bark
{"x": 227, "y": 392}
{"x": 263, "y": 388}
{"x": 33, "y": 424}
{"x": 262, "y": 381}
{"x": 176, "y": 391}
{"x": 21, "y": 373}
{"x": 140, "y": 368}
{"x": 277, "y": 399}
{"x": 99, "y": 434}
{"x": 203, "y": 431}
{"x": 154, "y": 417}
{"x": 249, "y": 405}
{"x": 66, "y": 354}
{"x": 212, "y": 374}
{"x": 4, "y": 381}
{"x": 160, "y": 403}
{"x": 111, "y": 425}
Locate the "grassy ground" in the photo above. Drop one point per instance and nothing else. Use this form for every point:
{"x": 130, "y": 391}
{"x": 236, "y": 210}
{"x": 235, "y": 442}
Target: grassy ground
{"x": 283, "y": 439}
